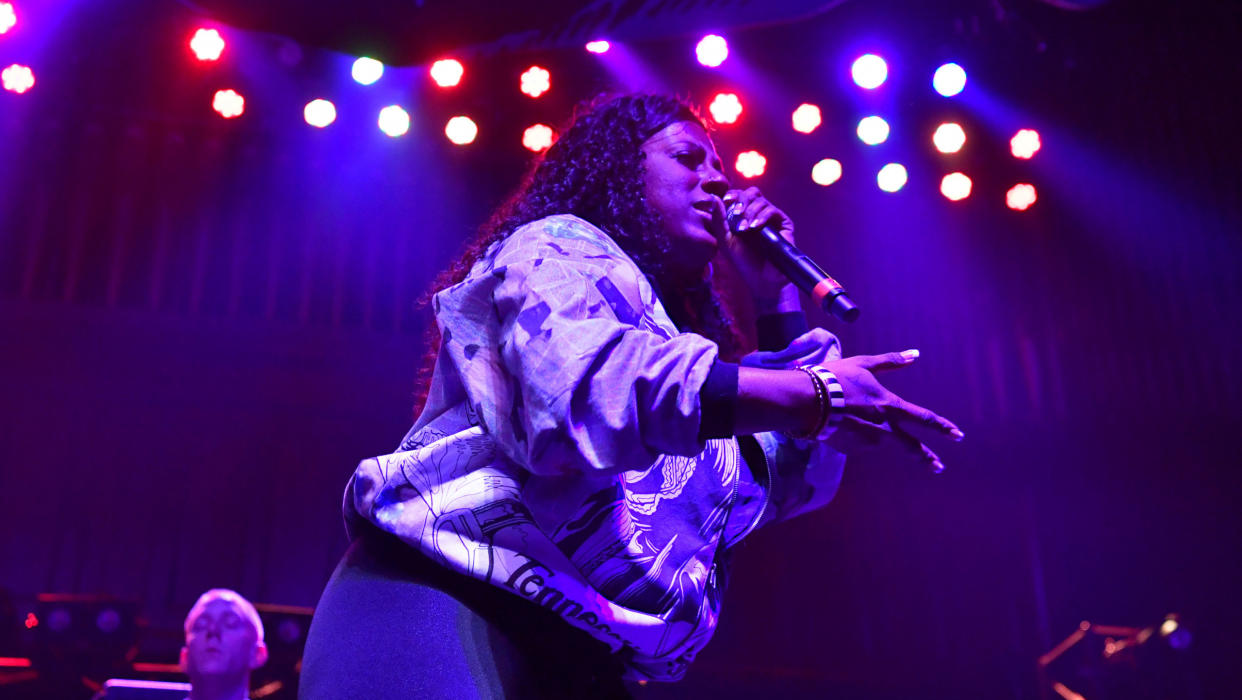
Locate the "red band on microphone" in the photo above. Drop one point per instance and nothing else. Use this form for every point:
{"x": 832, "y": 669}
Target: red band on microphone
{"x": 824, "y": 288}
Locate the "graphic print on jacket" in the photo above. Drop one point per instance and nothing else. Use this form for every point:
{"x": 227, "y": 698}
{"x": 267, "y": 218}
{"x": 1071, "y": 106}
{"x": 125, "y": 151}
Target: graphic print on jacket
{"x": 557, "y": 455}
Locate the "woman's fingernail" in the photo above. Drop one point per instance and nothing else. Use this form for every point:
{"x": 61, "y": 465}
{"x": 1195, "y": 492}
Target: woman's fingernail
{"x": 911, "y": 354}
{"x": 957, "y": 434}
{"x": 937, "y": 467}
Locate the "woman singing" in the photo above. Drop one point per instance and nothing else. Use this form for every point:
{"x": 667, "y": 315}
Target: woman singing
{"x": 560, "y": 514}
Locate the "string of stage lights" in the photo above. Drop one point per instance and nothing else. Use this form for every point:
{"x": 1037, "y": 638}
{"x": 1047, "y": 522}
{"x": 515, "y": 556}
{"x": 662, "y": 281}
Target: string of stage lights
{"x": 869, "y": 73}
{"x": 17, "y": 78}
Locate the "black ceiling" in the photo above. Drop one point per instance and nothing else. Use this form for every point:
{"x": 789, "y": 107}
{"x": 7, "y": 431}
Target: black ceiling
{"x": 404, "y": 32}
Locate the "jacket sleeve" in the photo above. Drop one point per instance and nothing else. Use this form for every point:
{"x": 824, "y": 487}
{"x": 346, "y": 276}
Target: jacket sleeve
{"x": 801, "y": 475}
{"x": 573, "y": 373}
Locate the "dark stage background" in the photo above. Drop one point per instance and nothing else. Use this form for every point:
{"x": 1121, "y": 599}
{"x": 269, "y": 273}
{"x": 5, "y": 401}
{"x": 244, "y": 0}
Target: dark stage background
{"x": 205, "y": 324}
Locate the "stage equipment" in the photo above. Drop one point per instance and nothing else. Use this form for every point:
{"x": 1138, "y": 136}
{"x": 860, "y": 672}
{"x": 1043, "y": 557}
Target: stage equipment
{"x": 750, "y": 163}
{"x": 461, "y": 130}
{"x": 17, "y": 78}
{"x": 955, "y": 186}
{"x": 1109, "y": 662}
{"x": 128, "y": 689}
{"x": 1025, "y": 143}
{"x": 1020, "y": 196}
{"x": 892, "y": 177}
{"x": 367, "y": 70}
{"x": 873, "y": 130}
{"x": 319, "y": 113}
{"x": 949, "y": 137}
{"x": 725, "y": 108}
{"x": 538, "y": 137}
{"x": 535, "y": 81}
{"x": 9, "y": 625}
{"x": 285, "y": 628}
{"x": 826, "y": 172}
{"x": 228, "y": 103}
{"x": 949, "y": 79}
{"x": 76, "y": 636}
{"x": 207, "y": 44}
{"x": 1077, "y": 5}
{"x": 8, "y": 17}
{"x": 447, "y": 72}
{"x": 394, "y": 121}
{"x": 869, "y": 71}
{"x": 806, "y": 118}
{"x": 712, "y": 50}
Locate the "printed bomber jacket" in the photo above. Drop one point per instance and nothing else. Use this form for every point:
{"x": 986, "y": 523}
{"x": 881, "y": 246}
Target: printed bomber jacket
{"x": 557, "y": 457}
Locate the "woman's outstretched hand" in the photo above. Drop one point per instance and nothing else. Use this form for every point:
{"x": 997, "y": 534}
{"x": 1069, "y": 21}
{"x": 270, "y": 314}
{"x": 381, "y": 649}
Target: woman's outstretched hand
{"x": 874, "y": 415}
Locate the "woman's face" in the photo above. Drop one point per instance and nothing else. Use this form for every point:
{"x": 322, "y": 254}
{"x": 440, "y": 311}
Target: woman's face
{"x": 685, "y": 184}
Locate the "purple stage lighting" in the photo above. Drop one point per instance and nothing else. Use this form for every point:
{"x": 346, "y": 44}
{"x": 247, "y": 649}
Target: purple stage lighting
{"x": 598, "y": 46}
{"x": 949, "y": 79}
{"x": 461, "y": 130}
{"x": 8, "y": 17}
{"x": 826, "y": 172}
{"x": 319, "y": 113}
{"x": 869, "y": 71}
{"x": 1180, "y": 639}
{"x": 108, "y": 620}
{"x": 751, "y": 163}
{"x": 367, "y": 70}
{"x": 394, "y": 121}
{"x": 59, "y": 620}
{"x": 447, "y": 72}
{"x": 1020, "y": 197}
{"x": 873, "y": 130}
{"x": 955, "y": 186}
{"x": 1025, "y": 143}
{"x": 712, "y": 50}
{"x": 17, "y": 78}
{"x": 228, "y": 103}
{"x": 892, "y": 177}
{"x": 207, "y": 44}
{"x": 807, "y": 118}
{"x": 725, "y": 108}
{"x": 538, "y": 137}
{"x": 949, "y": 138}
{"x": 536, "y": 81}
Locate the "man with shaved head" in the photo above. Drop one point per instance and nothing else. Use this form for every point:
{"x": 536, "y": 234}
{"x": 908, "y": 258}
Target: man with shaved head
{"x": 223, "y": 644}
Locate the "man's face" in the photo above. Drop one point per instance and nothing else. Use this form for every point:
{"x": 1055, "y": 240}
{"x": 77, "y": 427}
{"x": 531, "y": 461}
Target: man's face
{"x": 221, "y": 642}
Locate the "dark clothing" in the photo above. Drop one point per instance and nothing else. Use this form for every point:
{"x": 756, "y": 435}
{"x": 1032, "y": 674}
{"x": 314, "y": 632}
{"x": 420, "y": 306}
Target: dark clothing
{"x": 392, "y": 624}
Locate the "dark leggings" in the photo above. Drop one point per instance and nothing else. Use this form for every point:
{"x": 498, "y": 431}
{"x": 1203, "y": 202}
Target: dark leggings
{"x": 393, "y": 624}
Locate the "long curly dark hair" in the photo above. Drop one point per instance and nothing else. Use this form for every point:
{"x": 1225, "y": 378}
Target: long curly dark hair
{"x": 595, "y": 171}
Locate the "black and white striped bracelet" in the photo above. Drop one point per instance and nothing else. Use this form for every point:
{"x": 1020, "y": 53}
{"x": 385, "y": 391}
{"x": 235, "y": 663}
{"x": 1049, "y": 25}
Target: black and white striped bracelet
{"x": 836, "y": 398}
{"x": 831, "y": 399}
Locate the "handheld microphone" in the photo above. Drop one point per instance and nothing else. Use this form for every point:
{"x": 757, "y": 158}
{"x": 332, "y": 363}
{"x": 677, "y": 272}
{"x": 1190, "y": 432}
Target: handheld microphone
{"x": 801, "y": 270}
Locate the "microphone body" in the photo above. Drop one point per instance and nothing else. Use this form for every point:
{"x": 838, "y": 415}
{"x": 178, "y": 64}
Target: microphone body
{"x": 802, "y": 271}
